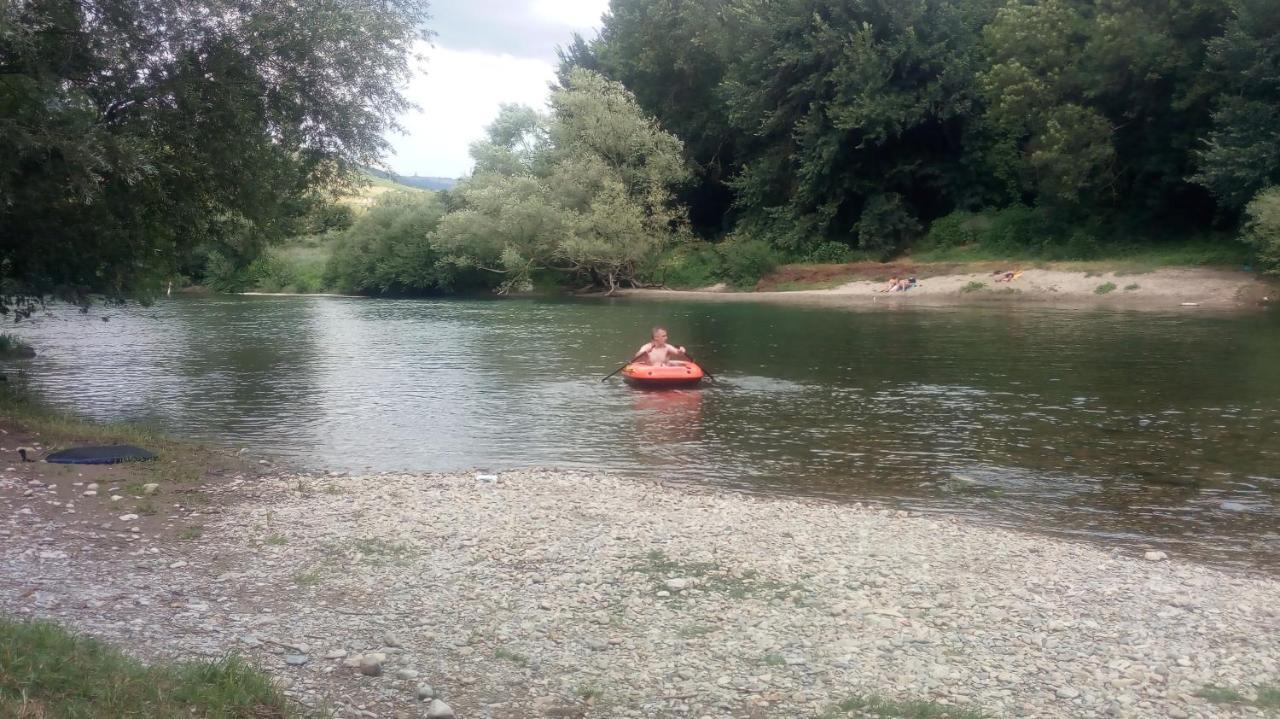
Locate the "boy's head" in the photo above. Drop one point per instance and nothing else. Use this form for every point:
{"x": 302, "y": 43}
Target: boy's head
{"x": 659, "y": 335}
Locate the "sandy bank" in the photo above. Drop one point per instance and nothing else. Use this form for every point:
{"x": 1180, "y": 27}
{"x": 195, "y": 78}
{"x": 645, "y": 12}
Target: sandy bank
{"x": 541, "y": 593}
{"x": 1164, "y": 289}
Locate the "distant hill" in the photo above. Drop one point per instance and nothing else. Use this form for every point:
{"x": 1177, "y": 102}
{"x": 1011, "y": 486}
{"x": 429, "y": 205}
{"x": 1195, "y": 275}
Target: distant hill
{"x": 422, "y": 183}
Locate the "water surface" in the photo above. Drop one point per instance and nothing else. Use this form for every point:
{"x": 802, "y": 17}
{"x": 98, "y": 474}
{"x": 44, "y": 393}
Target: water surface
{"x": 1135, "y": 429}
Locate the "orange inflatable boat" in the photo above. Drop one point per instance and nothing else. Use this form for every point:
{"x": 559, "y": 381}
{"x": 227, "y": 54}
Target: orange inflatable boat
{"x": 658, "y": 376}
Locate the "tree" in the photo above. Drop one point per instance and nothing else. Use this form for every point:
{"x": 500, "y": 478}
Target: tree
{"x": 1241, "y": 155}
{"x": 585, "y": 190}
{"x": 133, "y": 132}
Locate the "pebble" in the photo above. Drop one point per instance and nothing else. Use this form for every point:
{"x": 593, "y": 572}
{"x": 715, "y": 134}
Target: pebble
{"x": 406, "y": 674}
{"x": 128, "y": 517}
{"x": 296, "y": 660}
{"x": 1155, "y": 556}
{"x": 150, "y": 488}
{"x": 425, "y": 692}
{"x": 370, "y": 666}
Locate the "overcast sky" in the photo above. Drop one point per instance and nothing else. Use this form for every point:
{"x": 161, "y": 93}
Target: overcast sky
{"x": 486, "y": 52}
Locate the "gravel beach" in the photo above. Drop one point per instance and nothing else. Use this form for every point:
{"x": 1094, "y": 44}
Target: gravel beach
{"x": 548, "y": 593}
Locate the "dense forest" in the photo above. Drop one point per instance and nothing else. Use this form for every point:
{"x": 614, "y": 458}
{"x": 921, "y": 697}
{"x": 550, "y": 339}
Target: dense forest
{"x": 690, "y": 141}
{"x": 1069, "y": 123}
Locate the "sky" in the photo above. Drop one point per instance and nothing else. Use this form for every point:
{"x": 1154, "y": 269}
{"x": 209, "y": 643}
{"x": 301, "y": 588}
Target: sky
{"x": 485, "y": 53}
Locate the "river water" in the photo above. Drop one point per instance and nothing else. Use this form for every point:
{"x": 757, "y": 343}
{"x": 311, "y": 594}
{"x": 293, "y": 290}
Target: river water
{"x": 1130, "y": 429}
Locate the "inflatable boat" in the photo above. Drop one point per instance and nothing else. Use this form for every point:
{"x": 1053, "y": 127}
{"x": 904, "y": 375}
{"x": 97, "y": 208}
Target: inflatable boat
{"x": 662, "y": 376}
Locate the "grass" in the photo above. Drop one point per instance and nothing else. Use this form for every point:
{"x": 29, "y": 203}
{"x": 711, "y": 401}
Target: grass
{"x": 510, "y": 656}
{"x": 1131, "y": 287}
{"x": 974, "y": 286}
{"x": 146, "y": 508}
{"x": 178, "y": 461}
{"x": 589, "y": 692}
{"x": 774, "y": 660}
{"x": 47, "y": 672}
{"x": 899, "y": 709}
{"x": 191, "y": 533}
{"x": 711, "y": 576}
{"x": 1104, "y": 288}
{"x": 1267, "y": 696}
{"x": 308, "y": 579}
{"x": 276, "y": 540}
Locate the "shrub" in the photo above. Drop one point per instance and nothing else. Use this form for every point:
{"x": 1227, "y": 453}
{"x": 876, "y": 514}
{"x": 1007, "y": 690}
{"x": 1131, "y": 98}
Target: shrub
{"x": 1262, "y": 229}
{"x": 1104, "y": 288}
{"x": 744, "y": 262}
{"x": 958, "y": 229}
{"x": 974, "y": 286}
{"x": 687, "y": 266}
{"x": 831, "y": 252}
{"x": 886, "y": 225}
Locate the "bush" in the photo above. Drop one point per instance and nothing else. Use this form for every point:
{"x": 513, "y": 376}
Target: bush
{"x": 1262, "y": 229}
{"x": 685, "y": 267}
{"x": 958, "y": 229}
{"x": 831, "y": 252}
{"x": 744, "y": 262}
{"x": 886, "y": 225}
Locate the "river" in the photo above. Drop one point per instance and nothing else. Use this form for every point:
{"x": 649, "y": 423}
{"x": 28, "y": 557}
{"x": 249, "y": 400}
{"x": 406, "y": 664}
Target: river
{"x": 1133, "y": 429}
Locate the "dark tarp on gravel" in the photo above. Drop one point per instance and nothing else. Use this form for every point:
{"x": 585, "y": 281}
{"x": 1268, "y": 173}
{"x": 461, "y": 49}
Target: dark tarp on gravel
{"x": 100, "y": 455}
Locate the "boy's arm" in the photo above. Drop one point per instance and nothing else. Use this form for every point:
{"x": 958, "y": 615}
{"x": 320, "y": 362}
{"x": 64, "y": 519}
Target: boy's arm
{"x": 643, "y": 350}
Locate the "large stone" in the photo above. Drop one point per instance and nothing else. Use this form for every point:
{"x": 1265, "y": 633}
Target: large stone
{"x": 296, "y": 660}
{"x": 425, "y": 692}
{"x": 1155, "y": 556}
{"x": 370, "y": 666}
{"x": 150, "y": 488}
{"x": 439, "y": 710}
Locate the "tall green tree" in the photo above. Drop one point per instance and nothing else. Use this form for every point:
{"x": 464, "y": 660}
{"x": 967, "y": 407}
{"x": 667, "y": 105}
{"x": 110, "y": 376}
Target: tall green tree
{"x": 132, "y": 131}
{"x": 1099, "y": 105}
{"x": 1241, "y": 155}
{"x": 587, "y": 189}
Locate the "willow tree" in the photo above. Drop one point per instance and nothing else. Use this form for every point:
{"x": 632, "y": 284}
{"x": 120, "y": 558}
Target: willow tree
{"x": 132, "y": 131}
{"x": 586, "y": 189}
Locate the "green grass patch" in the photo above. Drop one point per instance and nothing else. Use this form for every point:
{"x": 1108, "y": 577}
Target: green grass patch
{"x": 510, "y": 656}
{"x": 309, "y": 578}
{"x": 589, "y": 692}
{"x": 866, "y": 705}
{"x": 774, "y": 660}
{"x": 1131, "y": 287}
{"x": 1268, "y": 697}
{"x": 711, "y": 577}
{"x": 191, "y": 533}
{"x": 974, "y": 286}
{"x": 276, "y": 540}
{"x": 1219, "y": 695}
{"x": 46, "y": 671}
{"x": 146, "y": 508}
{"x": 1104, "y": 288}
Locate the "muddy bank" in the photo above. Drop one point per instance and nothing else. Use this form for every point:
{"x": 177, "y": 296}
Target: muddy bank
{"x": 1182, "y": 289}
{"x": 545, "y": 593}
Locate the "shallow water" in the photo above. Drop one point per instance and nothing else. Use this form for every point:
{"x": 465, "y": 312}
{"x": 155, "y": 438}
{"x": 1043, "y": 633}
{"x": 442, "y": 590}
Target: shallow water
{"x": 1139, "y": 429}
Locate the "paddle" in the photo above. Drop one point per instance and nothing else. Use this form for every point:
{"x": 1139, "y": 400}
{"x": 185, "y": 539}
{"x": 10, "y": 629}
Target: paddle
{"x": 633, "y": 359}
{"x": 704, "y": 369}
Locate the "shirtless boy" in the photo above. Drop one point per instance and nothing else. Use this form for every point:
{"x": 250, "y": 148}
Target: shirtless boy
{"x": 658, "y": 352}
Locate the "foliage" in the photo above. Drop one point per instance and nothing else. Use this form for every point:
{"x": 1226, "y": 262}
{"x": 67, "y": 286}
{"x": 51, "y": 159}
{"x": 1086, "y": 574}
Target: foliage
{"x": 12, "y": 345}
{"x": 42, "y": 665}
{"x": 1262, "y": 231}
{"x": 1242, "y": 152}
{"x": 831, "y": 252}
{"x": 688, "y": 266}
{"x": 586, "y": 190}
{"x": 388, "y": 250}
{"x": 812, "y": 121}
{"x": 744, "y": 261}
{"x": 133, "y": 133}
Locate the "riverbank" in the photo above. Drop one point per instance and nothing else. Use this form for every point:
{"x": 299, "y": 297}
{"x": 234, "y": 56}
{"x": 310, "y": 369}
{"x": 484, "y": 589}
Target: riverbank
{"x": 544, "y": 593}
{"x": 1076, "y": 285}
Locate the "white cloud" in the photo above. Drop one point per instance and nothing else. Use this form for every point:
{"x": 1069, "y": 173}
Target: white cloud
{"x": 459, "y": 94}
{"x": 575, "y": 14}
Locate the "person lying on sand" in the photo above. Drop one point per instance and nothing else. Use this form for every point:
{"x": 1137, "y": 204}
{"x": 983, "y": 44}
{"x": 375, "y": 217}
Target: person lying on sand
{"x": 1008, "y": 276}
{"x": 658, "y": 352}
{"x": 893, "y": 285}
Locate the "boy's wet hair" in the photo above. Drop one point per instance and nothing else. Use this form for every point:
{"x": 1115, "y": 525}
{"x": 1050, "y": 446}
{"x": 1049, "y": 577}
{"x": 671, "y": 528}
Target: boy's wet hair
{"x": 656, "y": 330}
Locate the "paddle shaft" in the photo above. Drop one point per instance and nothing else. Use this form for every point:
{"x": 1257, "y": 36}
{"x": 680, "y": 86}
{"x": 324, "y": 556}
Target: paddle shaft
{"x": 704, "y": 369}
{"x": 633, "y": 359}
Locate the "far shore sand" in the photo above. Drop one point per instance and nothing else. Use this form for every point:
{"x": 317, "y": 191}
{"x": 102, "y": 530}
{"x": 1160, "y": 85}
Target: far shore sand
{"x": 1170, "y": 289}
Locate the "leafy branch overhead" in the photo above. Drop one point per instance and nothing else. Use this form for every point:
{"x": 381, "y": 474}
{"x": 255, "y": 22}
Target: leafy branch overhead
{"x": 133, "y": 133}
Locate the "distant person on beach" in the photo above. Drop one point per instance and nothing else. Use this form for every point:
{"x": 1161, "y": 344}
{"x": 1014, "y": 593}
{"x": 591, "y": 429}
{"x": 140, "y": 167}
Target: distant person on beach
{"x": 893, "y": 285}
{"x": 658, "y": 352}
{"x": 1008, "y": 275}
